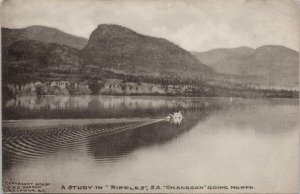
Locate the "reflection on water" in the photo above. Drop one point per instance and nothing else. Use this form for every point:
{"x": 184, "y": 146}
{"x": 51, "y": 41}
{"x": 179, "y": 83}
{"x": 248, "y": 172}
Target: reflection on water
{"x": 216, "y": 142}
{"x": 105, "y": 102}
{"x": 26, "y": 107}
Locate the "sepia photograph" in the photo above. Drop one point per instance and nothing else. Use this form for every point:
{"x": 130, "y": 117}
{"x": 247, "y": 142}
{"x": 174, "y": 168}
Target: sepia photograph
{"x": 150, "y": 96}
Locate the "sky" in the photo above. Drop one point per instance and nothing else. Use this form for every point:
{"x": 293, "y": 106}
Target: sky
{"x": 196, "y": 25}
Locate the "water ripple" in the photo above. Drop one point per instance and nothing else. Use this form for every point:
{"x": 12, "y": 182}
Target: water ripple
{"x": 27, "y": 145}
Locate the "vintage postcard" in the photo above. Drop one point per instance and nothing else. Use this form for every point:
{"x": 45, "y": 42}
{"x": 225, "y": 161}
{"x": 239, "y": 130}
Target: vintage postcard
{"x": 150, "y": 96}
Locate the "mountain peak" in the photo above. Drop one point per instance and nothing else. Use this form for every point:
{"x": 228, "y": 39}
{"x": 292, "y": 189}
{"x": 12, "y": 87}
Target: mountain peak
{"x": 275, "y": 48}
{"x": 277, "y": 52}
{"x": 126, "y": 51}
{"x": 111, "y": 26}
{"x": 112, "y": 30}
{"x": 39, "y": 27}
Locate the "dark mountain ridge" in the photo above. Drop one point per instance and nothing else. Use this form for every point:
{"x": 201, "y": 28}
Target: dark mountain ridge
{"x": 112, "y": 51}
{"x": 29, "y": 57}
{"x": 118, "y": 48}
{"x": 43, "y": 34}
{"x": 120, "y": 61}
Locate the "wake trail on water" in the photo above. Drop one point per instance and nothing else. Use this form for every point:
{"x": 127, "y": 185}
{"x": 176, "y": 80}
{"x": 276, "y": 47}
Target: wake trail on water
{"x": 33, "y": 144}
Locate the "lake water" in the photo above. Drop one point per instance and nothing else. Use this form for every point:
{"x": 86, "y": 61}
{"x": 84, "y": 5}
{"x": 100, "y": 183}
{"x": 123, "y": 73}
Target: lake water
{"x": 125, "y": 141}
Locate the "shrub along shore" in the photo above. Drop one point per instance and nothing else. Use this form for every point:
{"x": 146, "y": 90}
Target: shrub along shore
{"x": 120, "y": 87}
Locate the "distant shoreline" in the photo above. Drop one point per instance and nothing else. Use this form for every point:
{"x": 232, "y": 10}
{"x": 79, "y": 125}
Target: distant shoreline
{"x": 156, "y": 95}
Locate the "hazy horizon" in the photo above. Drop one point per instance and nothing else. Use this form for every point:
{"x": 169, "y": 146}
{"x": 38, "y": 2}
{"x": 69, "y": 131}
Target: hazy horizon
{"x": 194, "y": 25}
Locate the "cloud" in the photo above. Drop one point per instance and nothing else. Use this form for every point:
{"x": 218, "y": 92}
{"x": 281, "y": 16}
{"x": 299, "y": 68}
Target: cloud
{"x": 193, "y": 24}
